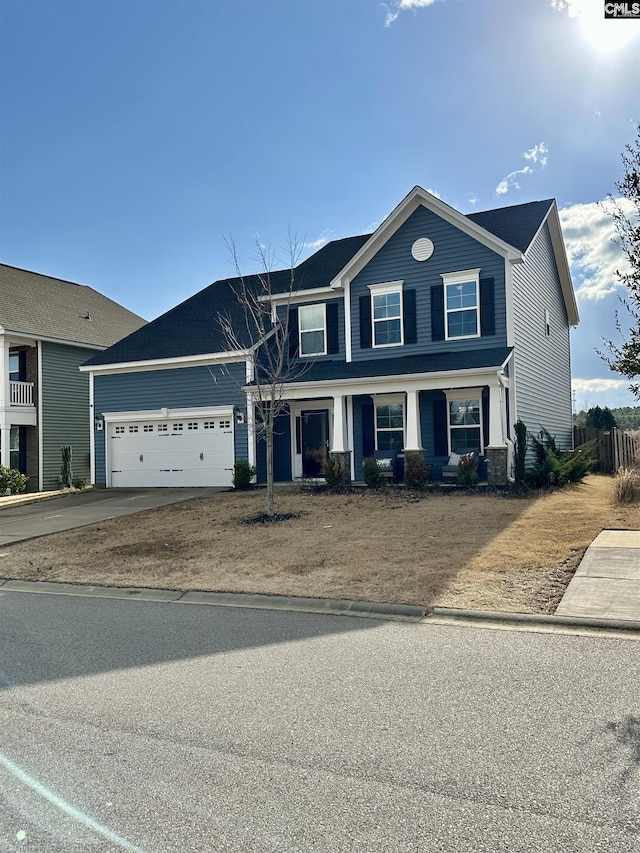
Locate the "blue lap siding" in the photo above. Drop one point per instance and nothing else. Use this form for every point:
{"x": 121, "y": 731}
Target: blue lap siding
{"x": 182, "y": 387}
{"x": 454, "y": 251}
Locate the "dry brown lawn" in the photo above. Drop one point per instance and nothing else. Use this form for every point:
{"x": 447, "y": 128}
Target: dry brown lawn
{"x": 450, "y": 549}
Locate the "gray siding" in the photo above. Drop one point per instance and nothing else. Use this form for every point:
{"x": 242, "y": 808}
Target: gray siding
{"x": 65, "y": 411}
{"x": 542, "y": 363}
{"x": 216, "y": 385}
{"x": 453, "y": 251}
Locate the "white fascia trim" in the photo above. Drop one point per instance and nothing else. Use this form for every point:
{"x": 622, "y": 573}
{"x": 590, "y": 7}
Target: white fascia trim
{"x": 508, "y": 292}
{"x": 390, "y": 384}
{"x": 25, "y": 336}
{"x": 168, "y": 363}
{"x": 347, "y": 321}
{"x": 401, "y": 213}
{"x": 298, "y": 296}
{"x": 559, "y": 250}
{"x": 166, "y": 414}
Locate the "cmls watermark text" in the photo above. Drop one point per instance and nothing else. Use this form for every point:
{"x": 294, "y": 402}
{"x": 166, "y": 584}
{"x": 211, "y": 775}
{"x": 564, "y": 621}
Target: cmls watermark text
{"x": 621, "y": 10}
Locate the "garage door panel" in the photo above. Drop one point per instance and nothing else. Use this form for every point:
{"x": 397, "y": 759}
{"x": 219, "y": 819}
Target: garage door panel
{"x": 188, "y": 452}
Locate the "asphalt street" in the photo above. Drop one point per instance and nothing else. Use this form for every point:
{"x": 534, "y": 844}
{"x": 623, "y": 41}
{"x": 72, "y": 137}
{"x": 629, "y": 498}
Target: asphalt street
{"x": 135, "y": 725}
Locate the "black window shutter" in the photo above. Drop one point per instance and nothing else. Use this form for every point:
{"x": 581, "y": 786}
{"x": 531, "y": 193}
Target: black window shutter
{"x": 293, "y": 332}
{"x": 437, "y": 312}
{"x": 410, "y": 325}
{"x": 485, "y": 416}
{"x": 440, "y": 442}
{"x": 22, "y": 367}
{"x": 365, "y": 322}
{"x": 332, "y": 327}
{"x": 487, "y": 307}
{"x": 368, "y": 434}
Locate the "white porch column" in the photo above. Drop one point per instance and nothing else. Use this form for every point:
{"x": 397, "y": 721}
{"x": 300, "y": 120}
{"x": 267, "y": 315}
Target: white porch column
{"x": 5, "y": 390}
{"x": 413, "y": 441}
{"x": 338, "y": 439}
{"x": 496, "y": 432}
{"x": 5, "y": 402}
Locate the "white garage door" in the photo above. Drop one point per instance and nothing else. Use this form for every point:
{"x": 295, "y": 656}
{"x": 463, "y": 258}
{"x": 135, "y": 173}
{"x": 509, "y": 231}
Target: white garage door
{"x": 175, "y": 452}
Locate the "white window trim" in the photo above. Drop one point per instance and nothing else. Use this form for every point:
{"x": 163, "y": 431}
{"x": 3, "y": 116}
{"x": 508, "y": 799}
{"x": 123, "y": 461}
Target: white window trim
{"x": 382, "y": 290}
{"x": 461, "y": 277}
{"x": 389, "y": 400}
{"x": 324, "y": 331}
{"x": 460, "y": 394}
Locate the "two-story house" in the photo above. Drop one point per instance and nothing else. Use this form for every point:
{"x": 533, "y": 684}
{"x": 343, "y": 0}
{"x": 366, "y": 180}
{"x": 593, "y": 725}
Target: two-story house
{"x": 48, "y": 328}
{"x": 432, "y": 335}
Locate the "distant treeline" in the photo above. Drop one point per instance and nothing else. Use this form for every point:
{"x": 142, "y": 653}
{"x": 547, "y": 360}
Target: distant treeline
{"x": 626, "y": 417}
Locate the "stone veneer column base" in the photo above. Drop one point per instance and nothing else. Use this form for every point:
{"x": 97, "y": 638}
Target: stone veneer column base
{"x": 496, "y": 466}
{"x": 345, "y": 457}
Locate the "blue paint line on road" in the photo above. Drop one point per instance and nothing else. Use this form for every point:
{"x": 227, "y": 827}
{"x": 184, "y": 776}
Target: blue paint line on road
{"x": 67, "y": 808}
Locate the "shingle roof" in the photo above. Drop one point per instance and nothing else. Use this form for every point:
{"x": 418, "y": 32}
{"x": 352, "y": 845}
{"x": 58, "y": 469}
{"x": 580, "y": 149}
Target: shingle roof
{"x": 325, "y": 370}
{"x": 516, "y": 225}
{"x": 191, "y": 328}
{"x": 45, "y": 307}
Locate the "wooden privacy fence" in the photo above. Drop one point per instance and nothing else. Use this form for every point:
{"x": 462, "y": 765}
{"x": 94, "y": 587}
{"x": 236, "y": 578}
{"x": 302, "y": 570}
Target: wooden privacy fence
{"x": 615, "y": 448}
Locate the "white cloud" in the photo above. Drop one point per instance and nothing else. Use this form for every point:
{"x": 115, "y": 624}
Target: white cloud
{"x": 536, "y": 155}
{"x": 393, "y": 11}
{"x": 434, "y": 192}
{"x": 322, "y": 240}
{"x": 510, "y": 182}
{"x": 593, "y": 255}
{"x": 595, "y": 386}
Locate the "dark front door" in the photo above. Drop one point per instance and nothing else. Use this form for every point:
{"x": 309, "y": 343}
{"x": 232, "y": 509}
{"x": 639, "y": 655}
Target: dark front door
{"x": 315, "y": 442}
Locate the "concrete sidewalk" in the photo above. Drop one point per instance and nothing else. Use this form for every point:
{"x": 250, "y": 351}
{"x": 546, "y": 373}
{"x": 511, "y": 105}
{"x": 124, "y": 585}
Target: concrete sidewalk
{"x": 607, "y": 582}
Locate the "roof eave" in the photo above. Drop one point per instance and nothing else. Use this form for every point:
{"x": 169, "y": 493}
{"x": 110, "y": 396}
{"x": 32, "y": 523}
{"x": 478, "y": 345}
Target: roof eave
{"x": 562, "y": 264}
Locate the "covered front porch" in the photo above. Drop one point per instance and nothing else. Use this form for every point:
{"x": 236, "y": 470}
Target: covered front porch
{"x": 438, "y": 417}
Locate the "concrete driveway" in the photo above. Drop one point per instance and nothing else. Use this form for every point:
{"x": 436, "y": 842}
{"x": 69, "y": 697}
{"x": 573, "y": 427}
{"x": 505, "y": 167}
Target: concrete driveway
{"x": 27, "y": 521}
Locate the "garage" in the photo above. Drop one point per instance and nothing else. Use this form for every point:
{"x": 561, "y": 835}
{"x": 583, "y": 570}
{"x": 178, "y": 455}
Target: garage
{"x": 158, "y": 449}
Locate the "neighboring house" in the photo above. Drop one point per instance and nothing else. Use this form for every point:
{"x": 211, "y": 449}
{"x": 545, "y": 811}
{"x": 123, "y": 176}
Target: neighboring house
{"x": 48, "y": 328}
{"x": 433, "y": 335}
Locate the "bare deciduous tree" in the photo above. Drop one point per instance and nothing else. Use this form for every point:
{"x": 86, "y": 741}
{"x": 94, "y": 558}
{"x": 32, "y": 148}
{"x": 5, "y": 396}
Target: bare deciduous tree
{"x": 264, "y": 332}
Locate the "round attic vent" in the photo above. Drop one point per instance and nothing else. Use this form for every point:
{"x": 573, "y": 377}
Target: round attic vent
{"x": 422, "y": 249}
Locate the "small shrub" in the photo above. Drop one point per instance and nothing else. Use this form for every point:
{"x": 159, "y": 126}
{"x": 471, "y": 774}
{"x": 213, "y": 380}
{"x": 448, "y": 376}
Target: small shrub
{"x": 557, "y": 467}
{"x": 371, "y": 473}
{"x": 334, "y": 472}
{"x": 79, "y": 483}
{"x": 65, "y": 472}
{"x": 415, "y": 471}
{"x": 626, "y": 486}
{"x": 519, "y": 452}
{"x": 12, "y": 481}
{"x": 468, "y": 470}
{"x": 243, "y": 473}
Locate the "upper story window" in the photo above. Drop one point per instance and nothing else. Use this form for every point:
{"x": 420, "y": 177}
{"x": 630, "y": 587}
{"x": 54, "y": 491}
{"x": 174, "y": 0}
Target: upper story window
{"x": 312, "y": 321}
{"x": 386, "y": 314}
{"x": 462, "y": 304}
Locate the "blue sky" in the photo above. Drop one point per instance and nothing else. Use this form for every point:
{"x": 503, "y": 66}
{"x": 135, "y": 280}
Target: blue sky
{"x": 137, "y": 133}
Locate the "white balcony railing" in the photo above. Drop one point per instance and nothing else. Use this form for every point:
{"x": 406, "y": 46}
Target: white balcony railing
{"x": 21, "y": 393}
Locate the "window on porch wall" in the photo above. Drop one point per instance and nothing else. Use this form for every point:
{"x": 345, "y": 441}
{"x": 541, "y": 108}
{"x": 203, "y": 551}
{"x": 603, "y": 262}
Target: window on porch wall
{"x": 465, "y": 431}
{"x": 390, "y": 427}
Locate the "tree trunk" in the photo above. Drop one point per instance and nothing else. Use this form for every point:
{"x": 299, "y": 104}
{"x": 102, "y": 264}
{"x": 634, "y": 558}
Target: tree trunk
{"x": 269, "y": 437}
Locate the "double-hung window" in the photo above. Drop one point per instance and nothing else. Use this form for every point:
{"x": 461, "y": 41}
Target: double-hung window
{"x": 313, "y": 329}
{"x": 390, "y": 425}
{"x": 465, "y": 420}
{"x": 386, "y": 314}
{"x": 462, "y": 304}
